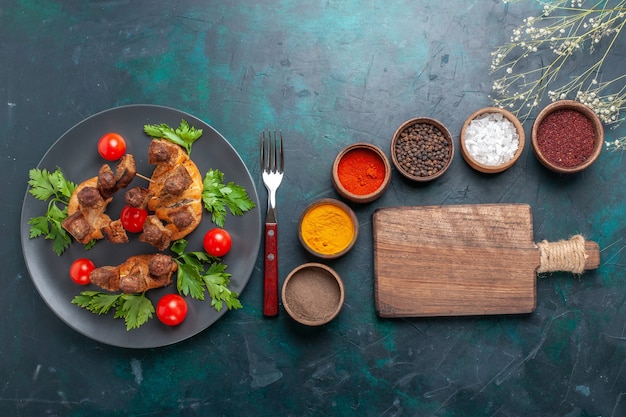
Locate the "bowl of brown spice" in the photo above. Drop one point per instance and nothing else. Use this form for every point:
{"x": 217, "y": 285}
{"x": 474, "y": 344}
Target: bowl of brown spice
{"x": 361, "y": 172}
{"x": 313, "y": 294}
{"x": 567, "y": 136}
{"x": 422, "y": 149}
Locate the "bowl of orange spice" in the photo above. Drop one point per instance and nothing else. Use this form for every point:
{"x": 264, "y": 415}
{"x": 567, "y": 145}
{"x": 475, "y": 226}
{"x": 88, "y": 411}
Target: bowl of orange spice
{"x": 361, "y": 172}
{"x": 328, "y": 228}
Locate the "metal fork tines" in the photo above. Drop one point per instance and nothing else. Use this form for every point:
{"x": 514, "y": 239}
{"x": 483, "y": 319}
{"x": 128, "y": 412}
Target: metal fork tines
{"x": 272, "y": 167}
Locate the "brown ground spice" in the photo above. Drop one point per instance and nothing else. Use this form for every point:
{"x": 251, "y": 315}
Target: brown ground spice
{"x": 313, "y": 294}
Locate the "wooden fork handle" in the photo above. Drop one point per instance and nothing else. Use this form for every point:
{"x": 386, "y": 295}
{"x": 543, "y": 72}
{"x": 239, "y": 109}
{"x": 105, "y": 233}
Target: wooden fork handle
{"x": 270, "y": 278}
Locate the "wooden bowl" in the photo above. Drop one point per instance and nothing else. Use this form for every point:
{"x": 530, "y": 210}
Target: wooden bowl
{"x": 328, "y": 228}
{"x": 481, "y": 166}
{"x": 397, "y": 146}
{"x": 362, "y": 172}
{"x": 598, "y": 132}
{"x": 313, "y": 294}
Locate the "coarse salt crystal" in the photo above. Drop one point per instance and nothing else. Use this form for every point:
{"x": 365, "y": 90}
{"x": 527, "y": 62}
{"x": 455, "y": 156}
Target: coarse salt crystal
{"x": 491, "y": 139}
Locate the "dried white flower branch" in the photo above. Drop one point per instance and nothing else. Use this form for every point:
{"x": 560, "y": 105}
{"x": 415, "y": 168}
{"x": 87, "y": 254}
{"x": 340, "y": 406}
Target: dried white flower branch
{"x": 540, "y": 60}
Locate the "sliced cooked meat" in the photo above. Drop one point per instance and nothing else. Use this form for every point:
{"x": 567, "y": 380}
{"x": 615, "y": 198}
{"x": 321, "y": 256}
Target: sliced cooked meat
{"x": 110, "y": 182}
{"x": 177, "y": 181}
{"x": 87, "y": 219}
{"x": 89, "y": 197}
{"x": 135, "y": 274}
{"x": 158, "y": 152}
{"x": 107, "y": 277}
{"x": 115, "y": 232}
{"x": 182, "y": 216}
{"x": 107, "y": 184}
{"x": 77, "y": 226}
{"x": 125, "y": 171}
{"x": 155, "y": 233}
{"x": 138, "y": 197}
{"x": 161, "y": 265}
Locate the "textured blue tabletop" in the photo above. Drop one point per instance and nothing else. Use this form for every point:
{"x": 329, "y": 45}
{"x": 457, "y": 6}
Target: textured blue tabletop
{"x": 327, "y": 73}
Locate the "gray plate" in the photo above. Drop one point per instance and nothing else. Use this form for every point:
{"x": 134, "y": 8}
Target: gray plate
{"x": 76, "y": 154}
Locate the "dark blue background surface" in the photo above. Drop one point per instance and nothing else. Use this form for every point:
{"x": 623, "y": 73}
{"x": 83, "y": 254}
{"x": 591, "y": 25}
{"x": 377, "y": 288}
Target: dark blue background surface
{"x": 327, "y": 73}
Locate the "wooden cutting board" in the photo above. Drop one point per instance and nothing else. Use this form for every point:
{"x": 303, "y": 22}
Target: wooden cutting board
{"x": 457, "y": 260}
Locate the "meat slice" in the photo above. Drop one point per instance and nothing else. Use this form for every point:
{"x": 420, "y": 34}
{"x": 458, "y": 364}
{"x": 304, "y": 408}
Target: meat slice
{"x": 85, "y": 223}
{"x": 125, "y": 171}
{"x": 137, "y": 274}
{"x": 155, "y": 233}
{"x": 110, "y": 182}
{"x": 138, "y": 197}
{"x": 78, "y": 226}
{"x": 160, "y": 152}
{"x": 115, "y": 232}
{"x": 107, "y": 277}
{"x": 86, "y": 218}
{"x": 175, "y": 183}
{"x": 90, "y": 197}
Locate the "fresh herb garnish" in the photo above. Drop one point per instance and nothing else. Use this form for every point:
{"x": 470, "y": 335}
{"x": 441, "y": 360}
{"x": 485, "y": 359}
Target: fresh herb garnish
{"x": 135, "y": 309}
{"x": 184, "y": 135}
{"x": 197, "y": 272}
{"x": 217, "y": 196}
{"x": 53, "y": 186}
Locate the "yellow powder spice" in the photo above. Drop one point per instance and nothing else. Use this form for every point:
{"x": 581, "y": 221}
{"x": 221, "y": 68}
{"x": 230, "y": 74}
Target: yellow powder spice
{"x": 327, "y": 229}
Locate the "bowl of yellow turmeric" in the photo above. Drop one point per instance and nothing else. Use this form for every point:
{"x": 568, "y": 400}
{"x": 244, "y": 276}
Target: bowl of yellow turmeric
{"x": 328, "y": 228}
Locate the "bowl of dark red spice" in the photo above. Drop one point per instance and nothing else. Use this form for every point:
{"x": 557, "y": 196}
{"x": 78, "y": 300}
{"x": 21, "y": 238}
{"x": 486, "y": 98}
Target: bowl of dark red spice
{"x": 328, "y": 228}
{"x": 567, "y": 136}
{"x": 313, "y": 294}
{"x": 492, "y": 140}
{"x": 361, "y": 172}
{"x": 422, "y": 149}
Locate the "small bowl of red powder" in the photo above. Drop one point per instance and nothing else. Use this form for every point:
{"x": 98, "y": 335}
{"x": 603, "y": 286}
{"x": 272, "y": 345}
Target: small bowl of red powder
{"x": 361, "y": 172}
{"x": 567, "y": 136}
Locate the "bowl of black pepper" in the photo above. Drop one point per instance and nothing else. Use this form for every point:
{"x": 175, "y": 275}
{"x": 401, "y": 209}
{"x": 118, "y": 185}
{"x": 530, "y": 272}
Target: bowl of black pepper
{"x": 422, "y": 149}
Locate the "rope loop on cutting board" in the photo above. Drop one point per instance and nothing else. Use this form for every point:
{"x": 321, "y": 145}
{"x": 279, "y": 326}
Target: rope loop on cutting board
{"x": 564, "y": 255}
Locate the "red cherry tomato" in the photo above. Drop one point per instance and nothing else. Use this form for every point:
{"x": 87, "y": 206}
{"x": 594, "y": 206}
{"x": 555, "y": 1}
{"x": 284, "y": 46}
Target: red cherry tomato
{"x": 217, "y": 242}
{"x": 171, "y": 309}
{"x": 132, "y": 218}
{"x": 111, "y": 146}
{"x": 80, "y": 270}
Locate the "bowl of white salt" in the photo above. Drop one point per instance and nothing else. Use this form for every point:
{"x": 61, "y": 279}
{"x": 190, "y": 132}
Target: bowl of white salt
{"x": 492, "y": 140}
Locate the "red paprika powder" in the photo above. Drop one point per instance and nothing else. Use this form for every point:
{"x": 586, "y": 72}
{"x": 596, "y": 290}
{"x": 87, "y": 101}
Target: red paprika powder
{"x": 361, "y": 171}
{"x": 566, "y": 138}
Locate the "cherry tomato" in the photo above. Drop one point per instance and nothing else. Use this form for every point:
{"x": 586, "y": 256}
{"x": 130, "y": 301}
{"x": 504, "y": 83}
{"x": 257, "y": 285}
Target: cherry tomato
{"x": 80, "y": 270}
{"x": 132, "y": 218}
{"x": 171, "y": 309}
{"x": 111, "y": 146}
{"x": 217, "y": 242}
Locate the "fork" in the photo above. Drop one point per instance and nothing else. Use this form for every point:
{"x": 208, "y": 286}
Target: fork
{"x": 272, "y": 166}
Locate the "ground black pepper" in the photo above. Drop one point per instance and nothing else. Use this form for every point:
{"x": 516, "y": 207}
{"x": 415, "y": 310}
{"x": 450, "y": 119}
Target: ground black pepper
{"x": 422, "y": 150}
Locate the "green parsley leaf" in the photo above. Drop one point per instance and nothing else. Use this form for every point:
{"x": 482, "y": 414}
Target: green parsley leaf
{"x": 44, "y": 186}
{"x": 217, "y": 197}
{"x": 135, "y": 309}
{"x": 198, "y": 272}
{"x": 184, "y": 135}
{"x": 216, "y": 281}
